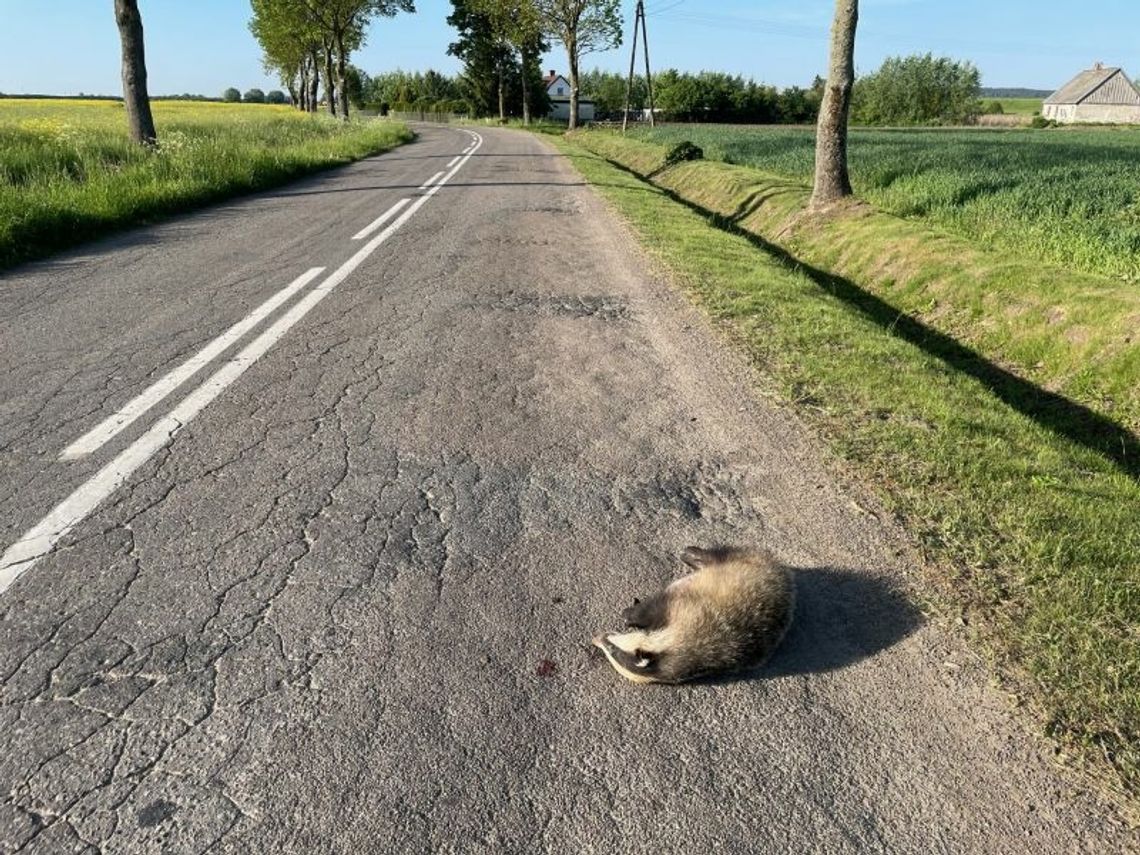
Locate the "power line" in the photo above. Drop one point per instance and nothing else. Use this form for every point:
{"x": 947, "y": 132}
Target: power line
{"x": 763, "y": 26}
{"x": 653, "y": 10}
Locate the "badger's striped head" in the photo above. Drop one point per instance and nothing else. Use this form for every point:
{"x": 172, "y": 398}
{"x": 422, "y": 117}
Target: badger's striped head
{"x": 637, "y": 655}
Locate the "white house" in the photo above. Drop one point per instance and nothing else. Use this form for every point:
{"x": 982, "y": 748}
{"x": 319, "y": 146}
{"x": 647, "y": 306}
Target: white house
{"x": 1098, "y": 94}
{"x": 558, "y": 90}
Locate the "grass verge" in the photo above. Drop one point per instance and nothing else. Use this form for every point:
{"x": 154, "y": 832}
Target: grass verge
{"x": 68, "y": 173}
{"x": 1036, "y": 528}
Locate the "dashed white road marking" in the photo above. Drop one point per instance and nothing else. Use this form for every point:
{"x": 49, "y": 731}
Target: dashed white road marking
{"x": 432, "y": 180}
{"x": 43, "y": 537}
{"x": 381, "y": 220}
{"x": 138, "y": 406}
{"x": 451, "y": 163}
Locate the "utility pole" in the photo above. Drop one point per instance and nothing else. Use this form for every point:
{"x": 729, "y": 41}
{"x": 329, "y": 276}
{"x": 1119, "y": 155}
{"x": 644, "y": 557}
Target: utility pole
{"x": 638, "y": 21}
{"x": 648, "y": 76}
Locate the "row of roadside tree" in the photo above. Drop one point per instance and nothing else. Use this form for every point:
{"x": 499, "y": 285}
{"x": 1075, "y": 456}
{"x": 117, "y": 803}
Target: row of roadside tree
{"x": 501, "y": 44}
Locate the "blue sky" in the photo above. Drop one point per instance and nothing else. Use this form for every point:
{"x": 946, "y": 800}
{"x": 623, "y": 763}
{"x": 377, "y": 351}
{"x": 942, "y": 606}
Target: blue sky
{"x": 203, "y": 46}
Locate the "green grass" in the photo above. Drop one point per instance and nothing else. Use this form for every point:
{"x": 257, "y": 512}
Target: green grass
{"x": 68, "y": 173}
{"x": 1069, "y": 197}
{"x": 1036, "y": 528}
{"x": 1018, "y": 106}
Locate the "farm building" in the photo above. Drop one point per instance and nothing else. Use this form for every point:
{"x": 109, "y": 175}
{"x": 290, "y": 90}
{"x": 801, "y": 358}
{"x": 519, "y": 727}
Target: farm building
{"x": 1098, "y": 94}
{"x": 558, "y": 89}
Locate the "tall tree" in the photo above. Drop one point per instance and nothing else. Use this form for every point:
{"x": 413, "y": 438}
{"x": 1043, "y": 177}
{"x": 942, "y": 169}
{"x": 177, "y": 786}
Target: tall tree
{"x": 487, "y": 57}
{"x": 140, "y": 122}
{"x": 582, "y": 27}
{"x": 516, "y": 23}
{"x": 344, "y": 23}
{"x": 832, "y": 181}
{"x": 291, "y": 45}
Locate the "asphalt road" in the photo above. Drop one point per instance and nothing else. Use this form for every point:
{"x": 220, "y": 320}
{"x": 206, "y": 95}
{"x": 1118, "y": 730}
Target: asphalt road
{"x": 338, "y": 596}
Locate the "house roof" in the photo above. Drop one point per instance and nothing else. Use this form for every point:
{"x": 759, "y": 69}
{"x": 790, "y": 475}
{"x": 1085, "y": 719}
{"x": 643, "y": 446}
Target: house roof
{"x": 1099, "y": 84}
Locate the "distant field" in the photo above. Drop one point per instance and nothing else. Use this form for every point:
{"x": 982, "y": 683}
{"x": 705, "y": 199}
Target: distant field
{"x": 68, "y": 172}
{"x": 1018, "y": 106}
{"x": 1067, "y": 197}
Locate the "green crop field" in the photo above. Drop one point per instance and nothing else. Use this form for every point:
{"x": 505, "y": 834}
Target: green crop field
{"x": 1066, "y": 197}
{"x": 1018, "y": 106}
{"x": 69, "y": 173}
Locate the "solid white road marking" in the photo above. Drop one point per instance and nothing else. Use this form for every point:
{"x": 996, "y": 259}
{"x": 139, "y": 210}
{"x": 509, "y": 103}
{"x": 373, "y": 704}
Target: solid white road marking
{"x": 431, "y": 180}
{"x": 42, "y": 538}
{"x": 381, "y": 220}
{"x": 452, "y": 162}
{"x": 137, "y": 406}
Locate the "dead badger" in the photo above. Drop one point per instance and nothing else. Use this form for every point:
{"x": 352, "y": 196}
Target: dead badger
{"x": 727, "y": 615}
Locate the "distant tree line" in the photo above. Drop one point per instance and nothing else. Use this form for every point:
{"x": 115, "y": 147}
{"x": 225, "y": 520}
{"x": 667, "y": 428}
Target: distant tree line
{"x": 406, "y": 91}
{"x": 234, "y": 95}
{"x": 707, "y": 96}
{"x": 1013, "y": 92}
{"x": 275, "y": 96}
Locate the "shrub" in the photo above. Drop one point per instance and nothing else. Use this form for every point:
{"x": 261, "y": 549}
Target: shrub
{"x": 916, "y": 90}
{"x": 683, "y": 151}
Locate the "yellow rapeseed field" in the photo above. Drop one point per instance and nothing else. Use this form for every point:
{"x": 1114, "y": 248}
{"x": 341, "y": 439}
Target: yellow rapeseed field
{"x": 68, "y": 172}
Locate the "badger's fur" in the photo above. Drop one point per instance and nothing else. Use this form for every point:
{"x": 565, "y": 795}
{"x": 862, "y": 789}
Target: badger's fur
{"x": 729, "y": 614}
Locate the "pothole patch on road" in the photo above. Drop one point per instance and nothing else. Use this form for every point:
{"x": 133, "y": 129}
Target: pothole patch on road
{"x": 705, "y": 492}
{"x": 156, "y": 813}
{"x": 602, "y": 307}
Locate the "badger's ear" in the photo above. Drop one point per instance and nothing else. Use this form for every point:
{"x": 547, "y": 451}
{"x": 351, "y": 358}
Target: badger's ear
{"x": 646, "y": 614}
{"x": 695, "y": 557}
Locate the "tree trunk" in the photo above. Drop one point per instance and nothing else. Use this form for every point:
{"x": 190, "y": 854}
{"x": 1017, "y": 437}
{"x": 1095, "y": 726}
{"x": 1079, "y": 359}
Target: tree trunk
{"x": 330, "y": 86}
{"x": 502, "y": 95}
{"x": 831, "y": 179}
{"x": 525, "y": 88}
{"x": 140, "y": 122}
{"x": 314, "y": 82}
{"x": 572, "y": 57}
{"x": 341, "y": 70}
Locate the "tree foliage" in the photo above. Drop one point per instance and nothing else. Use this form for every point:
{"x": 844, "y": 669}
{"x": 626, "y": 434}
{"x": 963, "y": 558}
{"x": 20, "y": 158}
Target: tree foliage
{"x": 916, "y": 90}
{"x": 516, "y": 25}
{"x": 582, "y": 27}
{"x": 487, "y": 59}
{"x": 231, "y": 95}
{"x": 303, "y": 39}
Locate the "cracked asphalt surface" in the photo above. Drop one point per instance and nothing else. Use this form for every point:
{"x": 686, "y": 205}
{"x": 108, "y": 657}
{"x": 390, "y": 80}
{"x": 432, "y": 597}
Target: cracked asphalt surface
{"x": 349, "y": 607}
